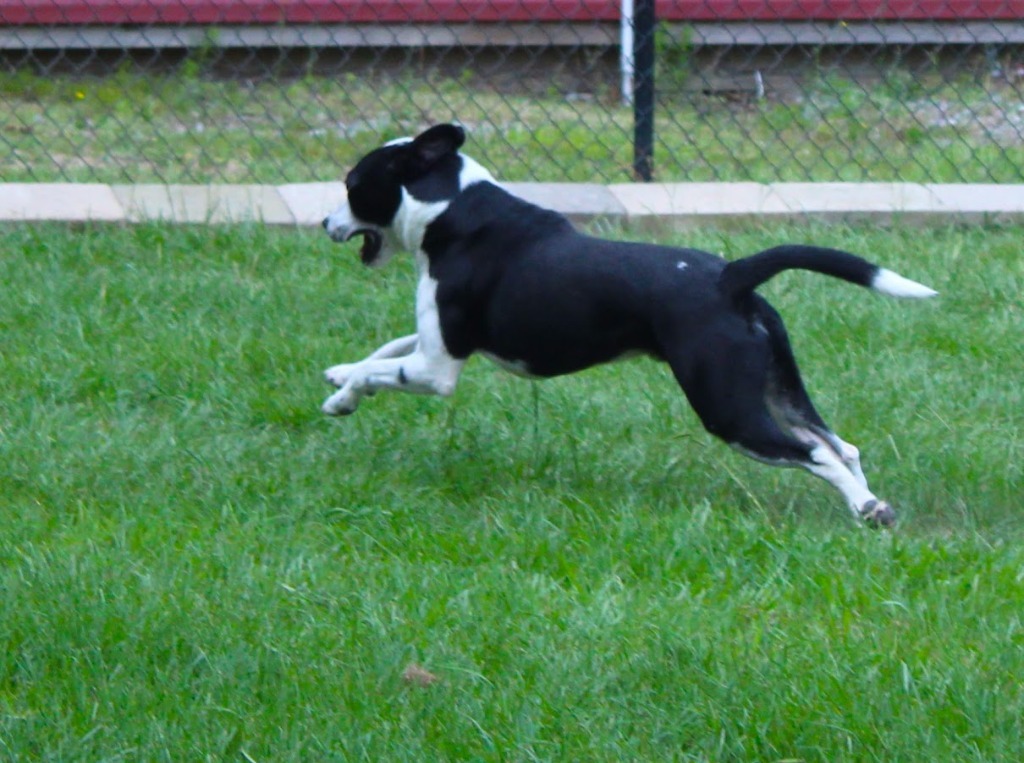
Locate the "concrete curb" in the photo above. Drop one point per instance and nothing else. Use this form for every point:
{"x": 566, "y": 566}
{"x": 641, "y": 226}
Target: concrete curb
{"x": 77, "y": 202}
{"x": 673, "y": 204}
{"x": 688, "y": 204}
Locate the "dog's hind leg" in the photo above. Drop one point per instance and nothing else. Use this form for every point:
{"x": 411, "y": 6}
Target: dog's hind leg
{"x": 851, "y": 457}
{"x": 839, "y": 465}
{"x": 790, "y": 401}
{"x": 791, "y": 406}
{"x": 339, "y": 374}
{"x": 849, "y": 454}
{"x": 766, "y": 441}
{"x": 728, "y": 386}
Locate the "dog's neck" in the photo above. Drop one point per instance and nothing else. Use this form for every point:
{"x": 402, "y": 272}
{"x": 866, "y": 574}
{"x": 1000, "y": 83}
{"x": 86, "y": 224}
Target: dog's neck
{"x": 413, "y": 217}
{"x": 410, "y": 224}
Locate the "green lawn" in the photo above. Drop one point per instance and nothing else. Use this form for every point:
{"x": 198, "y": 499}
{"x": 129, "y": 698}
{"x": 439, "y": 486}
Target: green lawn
{"x": 196, "y": 565}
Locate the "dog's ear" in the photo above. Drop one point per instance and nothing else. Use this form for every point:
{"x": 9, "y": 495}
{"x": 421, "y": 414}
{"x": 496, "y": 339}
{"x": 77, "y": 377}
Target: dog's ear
{"x": 437, "y": 142}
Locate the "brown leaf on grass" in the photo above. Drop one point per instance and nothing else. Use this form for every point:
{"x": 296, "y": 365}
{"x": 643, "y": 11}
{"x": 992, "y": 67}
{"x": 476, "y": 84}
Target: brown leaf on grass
{"x": 417, "y": 675}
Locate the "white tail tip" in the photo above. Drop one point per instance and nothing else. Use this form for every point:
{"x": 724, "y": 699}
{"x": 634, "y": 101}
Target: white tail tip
{"x": 895, "y": 285}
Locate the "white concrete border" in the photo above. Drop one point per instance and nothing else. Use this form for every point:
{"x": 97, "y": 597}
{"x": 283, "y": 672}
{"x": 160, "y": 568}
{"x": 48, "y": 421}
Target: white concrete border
{"x": 674, "y": 204}
{"x": 71, "y": 202}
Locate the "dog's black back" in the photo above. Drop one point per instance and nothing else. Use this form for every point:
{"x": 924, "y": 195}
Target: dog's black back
{"x": 520, "y": 283}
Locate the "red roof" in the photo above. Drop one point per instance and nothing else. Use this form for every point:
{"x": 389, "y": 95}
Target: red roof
{"x": 106, "y": 12}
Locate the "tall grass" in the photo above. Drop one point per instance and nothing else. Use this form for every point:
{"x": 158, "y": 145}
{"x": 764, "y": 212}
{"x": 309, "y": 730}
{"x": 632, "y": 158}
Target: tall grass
{"x": 195, "y": 565}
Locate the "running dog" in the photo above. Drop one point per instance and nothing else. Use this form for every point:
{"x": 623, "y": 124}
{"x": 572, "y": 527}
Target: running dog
{"x": 518, "y": 284}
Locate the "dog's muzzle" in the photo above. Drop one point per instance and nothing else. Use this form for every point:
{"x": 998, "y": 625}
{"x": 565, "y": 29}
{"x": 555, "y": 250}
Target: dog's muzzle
{"x": 373, "y": 241}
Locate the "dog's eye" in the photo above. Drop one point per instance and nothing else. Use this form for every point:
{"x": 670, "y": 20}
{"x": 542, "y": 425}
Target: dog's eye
{"x": 351, "y": 181}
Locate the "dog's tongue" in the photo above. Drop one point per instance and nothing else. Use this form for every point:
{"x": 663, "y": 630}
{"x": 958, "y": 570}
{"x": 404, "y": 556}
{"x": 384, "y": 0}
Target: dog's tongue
{"x": 372, "y": 242}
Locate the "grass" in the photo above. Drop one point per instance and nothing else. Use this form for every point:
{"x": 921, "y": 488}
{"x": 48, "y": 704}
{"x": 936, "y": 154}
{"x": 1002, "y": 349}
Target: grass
{"x": 195, "y": 565}
{"x": 190, "y": 126}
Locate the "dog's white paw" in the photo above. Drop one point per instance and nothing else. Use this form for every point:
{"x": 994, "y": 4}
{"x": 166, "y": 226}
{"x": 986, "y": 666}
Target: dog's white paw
{"x": 877, "y": 514}
{"x": 341, "y": 403}
{"x": 339, "y": 375}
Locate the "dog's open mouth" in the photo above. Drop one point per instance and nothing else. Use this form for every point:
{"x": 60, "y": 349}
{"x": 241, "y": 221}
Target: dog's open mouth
{"x": 372, "y": 243}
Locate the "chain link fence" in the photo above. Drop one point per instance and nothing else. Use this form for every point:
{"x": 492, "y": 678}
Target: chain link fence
{"x": 276, "y": 91}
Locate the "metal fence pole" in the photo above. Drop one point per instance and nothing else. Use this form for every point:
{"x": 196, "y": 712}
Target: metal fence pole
{"x": 626, "y": 50}
{"x": 643, "y": 89}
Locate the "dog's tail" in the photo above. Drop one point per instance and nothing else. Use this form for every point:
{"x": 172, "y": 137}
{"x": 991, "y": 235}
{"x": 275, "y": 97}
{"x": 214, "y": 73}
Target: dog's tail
{"x": 741, "y": 277}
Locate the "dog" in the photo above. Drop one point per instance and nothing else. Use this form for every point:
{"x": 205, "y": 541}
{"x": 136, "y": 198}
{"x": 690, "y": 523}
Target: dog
{"x": 517, "y": 283}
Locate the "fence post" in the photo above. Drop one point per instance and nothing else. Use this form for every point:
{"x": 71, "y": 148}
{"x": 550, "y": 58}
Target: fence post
{"x": 626, "y": 50}
{"x": 644, "y": 19}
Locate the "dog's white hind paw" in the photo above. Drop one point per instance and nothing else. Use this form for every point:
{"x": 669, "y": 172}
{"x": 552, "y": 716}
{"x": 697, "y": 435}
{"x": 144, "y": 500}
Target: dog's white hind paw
{"x": 877, "y": 513}
{"x": 338, "y": 375}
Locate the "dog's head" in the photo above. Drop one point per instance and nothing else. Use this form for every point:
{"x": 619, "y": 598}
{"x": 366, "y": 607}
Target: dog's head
{"x": 395, "y": 191}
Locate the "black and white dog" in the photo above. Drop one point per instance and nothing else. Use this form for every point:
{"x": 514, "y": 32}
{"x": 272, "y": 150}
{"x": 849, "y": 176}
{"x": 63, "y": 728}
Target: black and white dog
{"x": 518, "y": 284}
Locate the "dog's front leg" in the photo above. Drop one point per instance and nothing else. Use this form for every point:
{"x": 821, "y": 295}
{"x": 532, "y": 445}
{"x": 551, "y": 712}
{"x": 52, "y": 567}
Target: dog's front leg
{"x": 339, "y": 375}
{"x": 428, "y": 370}
{"x": 419, "y": 373}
